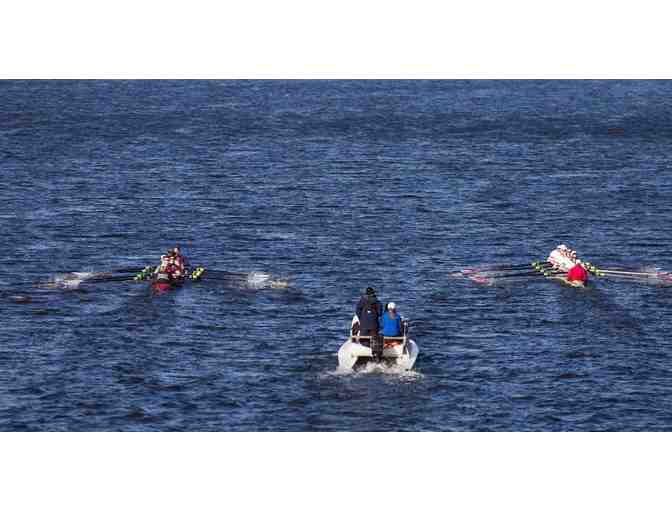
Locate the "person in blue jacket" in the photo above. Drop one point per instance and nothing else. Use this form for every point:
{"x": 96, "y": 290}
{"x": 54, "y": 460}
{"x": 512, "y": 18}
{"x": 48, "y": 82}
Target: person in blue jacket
{"x": 369, "y": 311}
{"x": 391, "y": 321}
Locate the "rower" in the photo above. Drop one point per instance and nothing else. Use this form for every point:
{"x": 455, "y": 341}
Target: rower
{"x": 161, "y": 268}
{"x": 577, "y": 274}
{"x": 170, "y": 265}
{"x": 177, "y": 253}
{"x": 180, "y": 260}
{"x": 560, "y": 259}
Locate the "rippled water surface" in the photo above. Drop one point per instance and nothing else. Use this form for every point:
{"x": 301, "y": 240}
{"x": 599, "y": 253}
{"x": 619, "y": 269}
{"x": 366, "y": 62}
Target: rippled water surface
{"x": 333, "y": 186}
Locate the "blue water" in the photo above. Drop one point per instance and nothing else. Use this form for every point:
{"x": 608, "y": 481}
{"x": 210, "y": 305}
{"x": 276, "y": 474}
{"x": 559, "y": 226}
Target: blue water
{"x": 333, "y": 186}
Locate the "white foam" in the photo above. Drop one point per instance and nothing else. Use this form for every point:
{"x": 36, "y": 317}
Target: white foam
{"x": 70, "y": 280}
{"x": 380, "y": 368}
{"x": 373, "y": 368}
{"x": 71, "y": 284}
{"x": 277, "y": 235}
{"x": 258, "y": 280}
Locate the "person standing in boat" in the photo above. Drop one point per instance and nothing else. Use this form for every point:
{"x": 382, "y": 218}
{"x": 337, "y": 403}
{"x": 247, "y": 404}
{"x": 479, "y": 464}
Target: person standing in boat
{"x": 369, "y": 311}
{"x": 391, "y": 321}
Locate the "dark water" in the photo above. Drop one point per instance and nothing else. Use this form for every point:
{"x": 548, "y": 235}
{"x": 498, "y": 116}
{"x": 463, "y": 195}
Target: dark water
{"x": 334, "y": 186}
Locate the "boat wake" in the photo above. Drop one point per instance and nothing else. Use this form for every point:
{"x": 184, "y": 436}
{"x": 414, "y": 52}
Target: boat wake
{"x": 70, "y": 280}
{"x": 257, "y": 280}
{"x": 373, "y": 368}
{"x": 254, "y": 280}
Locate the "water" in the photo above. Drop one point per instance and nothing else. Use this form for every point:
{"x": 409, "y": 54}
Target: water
{"x": 332, "y": 187}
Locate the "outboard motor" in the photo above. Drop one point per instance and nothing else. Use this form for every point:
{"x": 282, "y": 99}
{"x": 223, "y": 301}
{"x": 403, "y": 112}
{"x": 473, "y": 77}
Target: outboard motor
{"x": 377, "y": 345}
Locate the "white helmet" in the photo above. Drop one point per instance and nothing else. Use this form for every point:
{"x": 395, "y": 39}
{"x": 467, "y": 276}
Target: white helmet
{"x": 391, "y": 306}
{"x": 561, "y": 247}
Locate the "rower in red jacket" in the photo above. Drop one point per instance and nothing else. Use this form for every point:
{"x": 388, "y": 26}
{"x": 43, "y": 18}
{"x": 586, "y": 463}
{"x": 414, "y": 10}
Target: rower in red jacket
{"x": 577, "y": 275}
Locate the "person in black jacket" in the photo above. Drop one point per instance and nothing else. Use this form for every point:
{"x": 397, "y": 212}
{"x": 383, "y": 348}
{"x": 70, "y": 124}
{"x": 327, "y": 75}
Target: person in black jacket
{"x": 369, "y": 311}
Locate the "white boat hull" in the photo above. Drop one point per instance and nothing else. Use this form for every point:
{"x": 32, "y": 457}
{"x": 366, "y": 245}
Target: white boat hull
{"x": 353, "y": 353}
{"x": 400, "y": 352}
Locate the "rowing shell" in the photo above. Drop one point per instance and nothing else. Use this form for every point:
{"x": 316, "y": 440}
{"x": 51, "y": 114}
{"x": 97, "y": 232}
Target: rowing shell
{"x": 569, "y": 283}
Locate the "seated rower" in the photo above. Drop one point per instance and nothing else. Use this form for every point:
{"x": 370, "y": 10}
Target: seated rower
{"x": 161, "y": 268}
{"x": 577, "y": 275}
{"x": 173, "y": 269}
{"x": 171, "y": 265}
{"x": 391, "y": 321}
{"x": 180, "y": 259}
{"x": 561, "y": 258}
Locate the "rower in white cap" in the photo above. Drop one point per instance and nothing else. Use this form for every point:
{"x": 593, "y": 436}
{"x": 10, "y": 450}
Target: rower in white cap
{"x": 559, "y": 258}
{"x": 391, "y": 321}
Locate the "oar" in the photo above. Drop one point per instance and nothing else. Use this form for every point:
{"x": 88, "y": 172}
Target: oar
{"x": 121, "y": 270}
{"x": 196, "y": 274}
{"x": 534, "y": 273}
{"x": 105, "y": 279}
{"x": 516, "y": 267}
{"x": 634, "y": 278}
{"x": 213, "y": 272}
{"x": 641, "y": 277}
{"x": 487, "y": 279}
{"x": 617, "y": 272}
{"x": 616, "y": 269}
{"x": 145, "y": 273}
{"x": 633, "y": 273}
{"x": 537, "y": 266}
{"x": 602, "y": 272}
{"x": 553, "y": 273}
{"x": 103, "y": 271}
{"x": 127, "y": 270}
{"x": 591, "y": 268}
{"x": 225, "y": 275}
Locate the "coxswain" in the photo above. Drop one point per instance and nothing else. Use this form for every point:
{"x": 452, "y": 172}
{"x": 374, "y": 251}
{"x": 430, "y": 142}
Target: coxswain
{"x": 577, "y": 275}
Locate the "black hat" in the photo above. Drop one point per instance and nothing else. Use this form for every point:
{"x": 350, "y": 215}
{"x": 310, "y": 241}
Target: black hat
{"x": 370, "y": 291}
